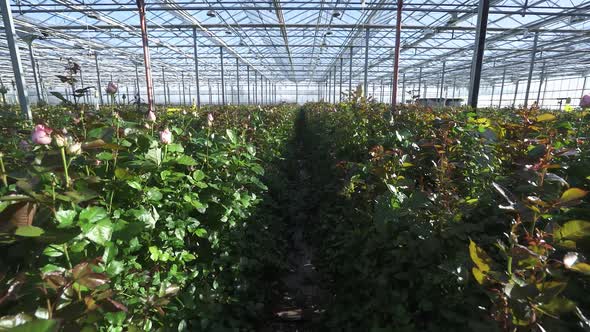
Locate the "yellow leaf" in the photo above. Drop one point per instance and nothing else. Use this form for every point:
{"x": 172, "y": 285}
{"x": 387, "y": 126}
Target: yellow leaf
{"x": 572, "y": 194}
{"x": 582, "y": 267}
{"x": 545, "y": 117}
{"x": 573, "y": 230}
{"x": 478, "y": 275}
{"x": 479, "y": 257}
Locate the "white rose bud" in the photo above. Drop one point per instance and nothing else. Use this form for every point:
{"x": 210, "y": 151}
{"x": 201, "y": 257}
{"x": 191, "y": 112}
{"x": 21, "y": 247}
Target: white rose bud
{"x": 75, "y": 149}
{"x": 61, "y": 141}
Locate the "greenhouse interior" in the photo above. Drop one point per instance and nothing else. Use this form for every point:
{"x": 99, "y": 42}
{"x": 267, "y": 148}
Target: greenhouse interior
{"x": 295, "y": 165}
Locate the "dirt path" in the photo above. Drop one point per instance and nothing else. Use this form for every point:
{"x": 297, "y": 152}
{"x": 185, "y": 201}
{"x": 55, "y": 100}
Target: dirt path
{"x": 297, "y": 308}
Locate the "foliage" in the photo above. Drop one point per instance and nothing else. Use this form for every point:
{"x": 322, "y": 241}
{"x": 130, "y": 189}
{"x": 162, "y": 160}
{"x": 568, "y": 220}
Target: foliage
{"x": 447, "y": 218}
{"x": 131, "y": 232}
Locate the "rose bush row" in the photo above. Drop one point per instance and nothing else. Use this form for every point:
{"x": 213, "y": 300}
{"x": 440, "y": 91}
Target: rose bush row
{"x": 117, "y": 220}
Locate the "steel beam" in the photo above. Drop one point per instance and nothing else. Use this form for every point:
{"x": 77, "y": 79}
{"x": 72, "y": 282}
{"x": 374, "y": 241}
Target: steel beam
{"x": 23, "y": 96}
{"x": 477, "y": 61}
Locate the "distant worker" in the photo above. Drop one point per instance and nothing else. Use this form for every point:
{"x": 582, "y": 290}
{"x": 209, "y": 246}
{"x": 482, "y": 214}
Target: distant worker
{"x": 585, "y": 102}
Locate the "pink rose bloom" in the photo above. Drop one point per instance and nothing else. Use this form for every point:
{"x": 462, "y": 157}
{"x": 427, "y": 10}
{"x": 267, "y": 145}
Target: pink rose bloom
{"x": 112, "y": 88}
{"x": 166, "y": 136}
{"x": 151, "y": 117}
{"x": 210, "y": 119}
{"x": 41, "y": 135}
{"x": 585, "y": 101}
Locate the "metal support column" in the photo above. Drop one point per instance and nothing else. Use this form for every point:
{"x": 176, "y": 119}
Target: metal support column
{"x": 136, "y": 81}
{"x": 329, "y": 86}
{"x": 398, "y": 32}
{"x": 183, "y": 94}
{"x": 477, "y": 61}
{"x": 493, "y": 90}
{"x": 502, "y": 88}
{"x": 340, "y": 92}
{"x": 248, "y": 80}
{"x": 531, "y": 68}
{"x": 196, "y": 55}
{"x": 146, "y": 55}
{"x": 222, "y": 79}
{"x": 210, "y": 91}
{"x": 23, "y": 98}
{"x": 98, "y": 87}
{"x": 255, "y": 94}
{"x": 442, "y": 79}
{"x": 334, "y": 85}
{"x": 366, "y": 78}
{"x": 583, "y": 86}
{"x": 515, "y": 94}
{"x": 350, "y": 73}
{"x": 403, "y": 88}
{"x": 166, "y": 101}
{"x": 32, "y": 56}
{"x": 238, "y": 78}
{"x": 296, "y": 93}
{"x": 420, "y": 85}
{"x": 541, "y": 80}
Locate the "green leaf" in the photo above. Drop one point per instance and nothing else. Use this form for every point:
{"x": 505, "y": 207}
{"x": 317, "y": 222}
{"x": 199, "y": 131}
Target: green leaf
{"x": 38, "y": 325}
{"x": 65, "y": 218}
{"x": 545, "y": 117}
{"x": 134, "y": 184}
{"x": 572, "y": 194}
{"x": 558, "y": 305}
{"x": 231, "y": 136}
{"x": 115, "y": 267}
{"x": 100, "y": 232}
{"x": 573, "y": 230}
{"x": 186, "y": 160}
{"x": 153, "y": 194}
{"x": 93, "y": 214}
{"x": 154, "y": 253}
{"x": 201, "y": 232}
{"x": 29, "y": 231}
{"x": 105, "y": 156}
{"x": 198, "y": 175}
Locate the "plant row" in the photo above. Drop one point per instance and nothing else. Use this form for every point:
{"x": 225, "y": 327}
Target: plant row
{"x": 117, "y": 220}
{"x": 450, "y": 218}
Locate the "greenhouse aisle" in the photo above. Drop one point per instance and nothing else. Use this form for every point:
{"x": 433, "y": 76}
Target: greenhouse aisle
{"x": 297, "y": 303}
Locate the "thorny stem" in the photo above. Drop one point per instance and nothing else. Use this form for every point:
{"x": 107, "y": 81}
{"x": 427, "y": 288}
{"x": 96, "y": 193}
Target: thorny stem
{"x": 3, "y": 169}
{"x": 65, "y": 164}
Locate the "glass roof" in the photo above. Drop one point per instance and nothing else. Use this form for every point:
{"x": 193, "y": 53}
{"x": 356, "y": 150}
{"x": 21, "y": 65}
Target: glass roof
{"x": 301, "y": 41}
